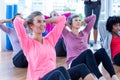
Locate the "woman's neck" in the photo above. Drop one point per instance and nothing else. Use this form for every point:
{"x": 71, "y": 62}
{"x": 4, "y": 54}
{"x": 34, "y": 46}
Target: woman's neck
{"x": 75, "y": 31}
{"x": 38, "y": 38}
{"x": 115, "y": 34}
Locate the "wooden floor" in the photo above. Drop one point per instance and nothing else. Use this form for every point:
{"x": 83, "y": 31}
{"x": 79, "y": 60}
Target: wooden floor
{"x": 9, "y": 72}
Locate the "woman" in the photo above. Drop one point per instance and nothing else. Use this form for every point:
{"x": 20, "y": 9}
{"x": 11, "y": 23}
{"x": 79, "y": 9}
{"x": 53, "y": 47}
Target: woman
{"x": 111, "y": 42}
{"x": 19, "y": 60}
{"x": 40, "y": 51}
{"x": 60, "y": 46}
{"x": 76, "y": 45}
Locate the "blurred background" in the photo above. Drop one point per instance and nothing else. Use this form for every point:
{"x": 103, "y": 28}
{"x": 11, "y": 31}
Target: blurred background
{"x": 9, "y": 7}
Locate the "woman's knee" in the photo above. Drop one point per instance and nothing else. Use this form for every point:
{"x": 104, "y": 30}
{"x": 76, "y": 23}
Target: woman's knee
{"x": 83, "y": 70}
{"x": 61, "y": 68}
{"x": 102, "y": 50}
{"x": 82, "y": 66}
{"x": 89, "y": 52}
{"x": 19, "y": 64}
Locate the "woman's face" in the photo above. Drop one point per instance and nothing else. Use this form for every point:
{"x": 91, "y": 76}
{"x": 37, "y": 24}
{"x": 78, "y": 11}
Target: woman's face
{"x": 39, "y": 24}
{"x": 116, "y": 28}
{"x": 54, "y": 14}
{"x": 76, "y": 23}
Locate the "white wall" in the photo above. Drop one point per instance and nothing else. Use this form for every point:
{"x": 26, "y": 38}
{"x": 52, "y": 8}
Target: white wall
{"x": 2, "y": 34}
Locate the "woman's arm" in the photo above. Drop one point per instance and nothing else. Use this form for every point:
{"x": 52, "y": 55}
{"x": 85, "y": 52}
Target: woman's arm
{"x": 65, "y": 30}
{"x": 22, "y": 35}
{"x": 51, "y": 20}
{"x": 54, "y": 35}
{"x": 5, "y": 21}
{"x": 90, "y": 21}
{"x": 3, "y": 27}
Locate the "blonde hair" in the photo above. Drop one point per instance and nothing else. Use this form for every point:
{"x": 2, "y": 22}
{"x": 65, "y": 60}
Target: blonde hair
{"x": 29, "y": 19}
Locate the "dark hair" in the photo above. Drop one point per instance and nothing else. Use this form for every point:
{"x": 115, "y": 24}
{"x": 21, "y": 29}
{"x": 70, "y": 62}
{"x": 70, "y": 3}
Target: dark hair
{"x": 112, "y": 20}
{"x": 70, "y": 18}
{"x": 15, "y": 16}
{"x": 51, "y": 14}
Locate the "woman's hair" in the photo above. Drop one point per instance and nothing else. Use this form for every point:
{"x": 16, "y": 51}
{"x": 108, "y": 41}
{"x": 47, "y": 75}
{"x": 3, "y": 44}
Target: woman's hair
{"x": 30, "y": 18}
{"x": 53, "y": 12}
{"x": 70, "y": 18}
{"x": 15, "y": 16}
{"x": 112, "y": 20}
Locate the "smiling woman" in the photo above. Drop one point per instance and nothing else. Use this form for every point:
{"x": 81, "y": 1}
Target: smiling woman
{"x": 35, "y": 46}
{"x": 38, "y": 25}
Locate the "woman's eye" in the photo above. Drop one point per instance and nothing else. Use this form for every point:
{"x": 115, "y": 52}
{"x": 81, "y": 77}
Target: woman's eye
{"x": 44, "y": 21}
{"x": 76, "y": 20}
{"x": 39, "y": 21}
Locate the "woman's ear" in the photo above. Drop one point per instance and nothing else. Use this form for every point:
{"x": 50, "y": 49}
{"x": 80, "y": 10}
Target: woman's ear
{"x": 29, "y": 27}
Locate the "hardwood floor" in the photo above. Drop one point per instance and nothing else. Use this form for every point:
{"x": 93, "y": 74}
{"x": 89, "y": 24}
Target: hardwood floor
{"x": 9, "y": 72}
{"x": 7, "y": 69}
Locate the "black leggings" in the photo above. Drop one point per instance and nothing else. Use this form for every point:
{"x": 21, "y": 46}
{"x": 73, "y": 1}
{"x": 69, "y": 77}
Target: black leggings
{"x": 88, "y": 58}
{"x": 101, "y": 56}
{"x": 59, "y": 73}
{"x": 19, "y": 60}
{"x": 80, "y": 70}
{"x": 93, "y": 60}
{"x": 73, "y": 73}
{"x": 60, "y": 48}
{"x": 116, "y": 60}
